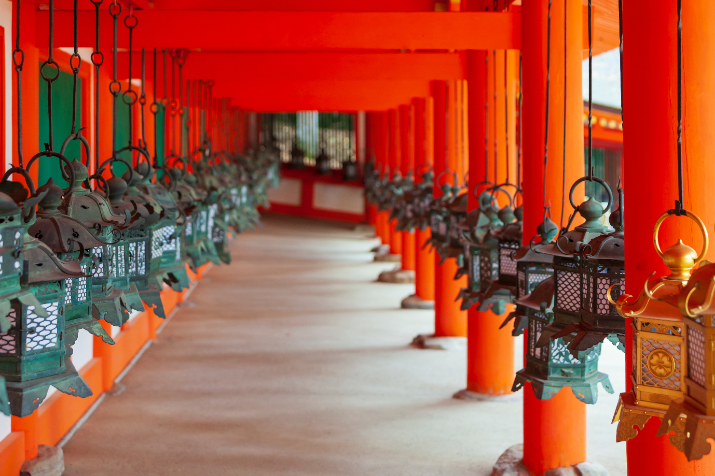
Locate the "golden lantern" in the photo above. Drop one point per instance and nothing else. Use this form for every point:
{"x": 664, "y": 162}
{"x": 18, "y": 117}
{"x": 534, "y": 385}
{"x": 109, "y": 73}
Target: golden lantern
{"x": 658, "y": 355}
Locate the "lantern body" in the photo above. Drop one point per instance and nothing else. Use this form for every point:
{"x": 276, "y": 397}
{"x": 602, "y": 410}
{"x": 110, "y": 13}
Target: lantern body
{"x": 700, "y": 332}
{"x": 550, "y": 366}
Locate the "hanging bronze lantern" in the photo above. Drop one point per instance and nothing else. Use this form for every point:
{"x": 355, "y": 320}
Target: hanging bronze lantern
{"x": 550, "y": 366}
{"x": 350, "y": 170}
{"x": 602, "y": 267}
{"x": 439, "y": 218}
{"x": 531, "y": 269}
{"x": 297, "y": 157}
{"x": 322, "y": 163}
{"x": 570, "y": 271}
{"x": 34, "y": 350}
{"x": 659, "y": 352}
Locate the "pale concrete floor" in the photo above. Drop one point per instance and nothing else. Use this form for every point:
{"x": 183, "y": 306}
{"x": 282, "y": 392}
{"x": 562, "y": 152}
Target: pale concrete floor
{"x": 294, "y": 361}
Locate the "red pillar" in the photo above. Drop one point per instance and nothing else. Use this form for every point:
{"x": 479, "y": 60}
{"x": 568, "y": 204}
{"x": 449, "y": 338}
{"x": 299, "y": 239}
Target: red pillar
{"x": 392, "y": 135}
{"x": 651, "y": 109}
{"x": 383, "y": 222}
{"x": 490, "y": 350}
{"x": 555, "y": 429}
{"x": 407, "y": 162}
{"x": 450, "y": 321}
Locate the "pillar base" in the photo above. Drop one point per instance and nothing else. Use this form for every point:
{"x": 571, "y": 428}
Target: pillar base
{"x": 429, "y": 341}
{"x": 471, "y": 396}
{"x": 397, "y": 276}
{"x": 416, "y": 302}
{"x": 387, "y": 258}
{"x": 510, "y": 464}
{"x": 50, "y": 461}
{"x": 381, "y": 249}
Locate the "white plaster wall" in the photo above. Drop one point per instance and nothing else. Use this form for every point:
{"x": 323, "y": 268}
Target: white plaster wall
{"x": 83, "y": 349}
{"x": 338, "y": 198}
{"x": 288, "y": 192}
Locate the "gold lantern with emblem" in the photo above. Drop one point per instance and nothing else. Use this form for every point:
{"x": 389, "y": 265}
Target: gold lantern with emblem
{"x": 659, "y": 359}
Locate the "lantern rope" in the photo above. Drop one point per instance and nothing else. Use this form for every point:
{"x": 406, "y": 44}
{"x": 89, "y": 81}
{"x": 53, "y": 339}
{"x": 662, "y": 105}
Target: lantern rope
{"x": 50, "y": 79}
{"x": 520, "y": 131}
{"x": 154, "y": 109}
{"x": 548, "y": 89}
{"x": 130, "y": 97}
{"x": 142, "y": 101}
{"x": 486, "y": 116}
{"x": 679, "y": 209}
{"x": 506, "y": 116}
{"x": 496, "y": 152}
{"x": 172, "y": 108}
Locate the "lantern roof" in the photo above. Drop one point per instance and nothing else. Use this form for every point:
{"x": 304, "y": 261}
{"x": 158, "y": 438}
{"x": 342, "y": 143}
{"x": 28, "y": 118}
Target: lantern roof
{"x": 542, "y": 297}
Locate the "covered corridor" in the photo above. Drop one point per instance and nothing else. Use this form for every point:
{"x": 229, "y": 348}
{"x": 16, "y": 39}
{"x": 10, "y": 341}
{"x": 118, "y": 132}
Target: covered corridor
{"x": 295, "y": 361}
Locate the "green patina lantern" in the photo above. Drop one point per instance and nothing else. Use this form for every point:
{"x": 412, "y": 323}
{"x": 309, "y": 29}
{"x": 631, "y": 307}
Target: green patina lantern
{"x": 602, "y": 268}
{"x": 322, "y": 163}
{"x": 113, "y": 295}
{"x": 439, "y": 220}
{"x": 167, "y": 249}
{"x": 531, "y": 269}
{"x": 297, "y": 157}
{"x": 34, "y": 350}
{"x": 456, "y": 213}
{"x": 550, "y": 366}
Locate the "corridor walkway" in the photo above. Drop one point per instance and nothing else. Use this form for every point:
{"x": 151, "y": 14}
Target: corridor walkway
{"x": 293, "y": 361}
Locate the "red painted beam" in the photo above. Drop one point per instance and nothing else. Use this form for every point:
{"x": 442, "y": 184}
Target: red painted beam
{"x": 287, "y": 95}
{"x": 311, "y": 66}
{"x": 291, "y": 31}
{"x": 299, "y": 5}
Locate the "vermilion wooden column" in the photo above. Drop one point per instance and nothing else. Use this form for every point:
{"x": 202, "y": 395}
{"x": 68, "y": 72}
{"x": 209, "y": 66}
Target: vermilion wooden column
{"x": 650, "y": 105}
{"x": 407, "y": 162}
{"x": 554, "y": 430}
{"x": 450, "y": 321}
{"x": 393, "y": 153}
{"x": 490, "y": 350}
{"x": 424, "y": 257}
{"x": 383, "y": 221}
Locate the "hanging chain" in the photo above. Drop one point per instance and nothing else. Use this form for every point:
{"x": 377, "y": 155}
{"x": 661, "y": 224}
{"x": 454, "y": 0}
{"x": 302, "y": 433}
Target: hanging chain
{"x": 115, "y": 87}
{"x": 548, "y": 89}
{"x": 50, "y": 79}
{"x": 620, "y": 50}
{"x": 172, "y": 104}
{"x": 679, "y": 209}
{"x": 75, "y": 64}
{"x": 154, "y": 109}
{"x": 566, "y": 48}
{"x": 18, "y": 59}
{"x": 142, "y": 102}
{"x": 181, "y": 60}
{"x": 130, "y": 96}
{"x": 97, "y": 60}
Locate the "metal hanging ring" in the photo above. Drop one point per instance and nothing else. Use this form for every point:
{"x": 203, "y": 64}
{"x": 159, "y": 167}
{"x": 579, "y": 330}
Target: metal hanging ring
{"x": 28, "y": 180}
{"x": 130, "y": 21}
{"x": 53, "y": 63}
{"x": 115, "y": 87}
{"x": 100, "y": 180}
{"x": 97, "y": 58}
{"x": 444, "y": 172}
{"x": 142, "y": 153}
{"x": 475, "y": 192}
{"x": 114, "y": 9}
{"x": 75, "y": 57}
{"x": 49, "y": 153}
{"x": 113, "y": 160}
{"x": 592, "y": 179}
{"x": 154, "y": 108}
{"x": 132, "y": 95}
{"x": 692, "y": 216}
{"x": 76, "y": 136}
{"x": 18, "y": 62}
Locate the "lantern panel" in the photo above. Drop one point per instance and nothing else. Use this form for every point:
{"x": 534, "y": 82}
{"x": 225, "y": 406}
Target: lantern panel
{"x": 189, "y": 228}
{"x": 696, "y": 356}
{"x": 538, "y": 352}
{"x": 661, "y": 364}
{"x": 8, "y": 343}
{"x": 507, "y": 264}
{"x": 568, "y": 294}
{"x": 97, "y": 261}
{"x": 137, "y": 258}
{"x": 42, "y": 331}
{"x": 561, "y": 355}
{"x": 117, "y": 261}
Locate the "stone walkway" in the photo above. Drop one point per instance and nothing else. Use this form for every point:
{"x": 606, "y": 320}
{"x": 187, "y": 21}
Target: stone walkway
{"x": 293, "y": 361}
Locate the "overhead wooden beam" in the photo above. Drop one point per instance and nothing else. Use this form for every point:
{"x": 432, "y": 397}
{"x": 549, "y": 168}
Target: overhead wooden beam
{"x": 290, "y": 31}
{"x": 286, "y": 95}
{"x": 310, "y": 66}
